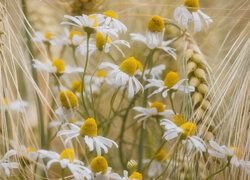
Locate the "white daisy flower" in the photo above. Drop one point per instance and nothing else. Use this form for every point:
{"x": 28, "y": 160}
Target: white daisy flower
{"x": 153, "y": 73}
{"x": 66, "y": 160}
{"x": 187, "y": 131}
{"x": 56, "y": 66}
{"x": 190, "y": 11}
{"x": 71, "y": 38}
{"x": 5, "y": 165}
{"x": 88, "y": 132}
{"x": 101, "y": 170}
{"x": 234, "y": 153}
{"x": 101, "y": 43}
{"x": 124, "y": 75}
{"x": 89, "y": 24}
{"x": 171, "y": 84}
{"x": 154, "y": 33}
{"x": 15, "y": 105}
{"x": 159, "y": 44}
{"x": 110, "y": 18}
{"x": 156, "y": 109}
{"x": 45, "y": 37}
{"x": 24, "y": 152}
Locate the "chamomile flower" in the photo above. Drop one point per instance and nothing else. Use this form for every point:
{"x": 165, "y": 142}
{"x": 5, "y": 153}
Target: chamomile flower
{"x": 69, "y": 104}
{"x": 66, "y": 160}
{"x": 136, "y": 176}
{"x": 88, "y": 132}
{"x": 16, "y": 105}
{"x": 159, "y": 44}
{"x": 155, "y": 32}
{"x": 72, "y": 38}
{"x": 233, "y": 153}
{"x": 186, "y": 130}
{"x": 157, "y": 109}
{"x": 101, "y": 170}
{"x": 124, "y": 75}
{"x": 171, "y": 84}
{"x": 191, "y": 11}
{"x": 5, "y": 165}
{"x": 45, "y": 37}
{"x": 89, "y": 24}
{"x": 102, "y": 43}
{"x": 56, "y": 66}
{"x": 110, "y": 18}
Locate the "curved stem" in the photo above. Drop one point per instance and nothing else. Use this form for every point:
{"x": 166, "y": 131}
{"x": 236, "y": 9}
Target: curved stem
{"x": 171, "y": 101}
{"x": 217, "y": 172}
{"x": 84, "y": 72}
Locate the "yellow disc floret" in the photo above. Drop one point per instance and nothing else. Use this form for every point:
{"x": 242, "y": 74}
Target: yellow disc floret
{"x": 77, "y": 86}
{"x": 192, "y": 5}
{"x": 111, "y": 14}
{"x": 30, "y": 149}
{"x": 237, "y": 152}
{"x": 136, "y": 175}
{"x": 49, "y": 36}
{"x": 178, "y": 119}
{"x": 74, "y": 33}
{"x": 100, "y": 41}
{"x": 101, "y": 73}
{"x": 129, "y": 66}
{"x": 158, "y": 105}
{"x": 171, "y": 79}
{"x": 67, "y": 154}
{"x": 188, "y": 128}
{"x": 161, "y": 155}
{"x": 95, "y": 24}
{"x": 68, "y": 99}
{"x": 89, "y": 128}
{"x": 132, "y": 164}
{"x": 99, "y": 164}
{"x": 59, "y": 64}
{"x": 156, "y": 24}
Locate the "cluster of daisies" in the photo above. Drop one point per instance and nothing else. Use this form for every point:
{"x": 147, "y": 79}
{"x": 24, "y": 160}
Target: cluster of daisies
{"x": 98, "y": 34}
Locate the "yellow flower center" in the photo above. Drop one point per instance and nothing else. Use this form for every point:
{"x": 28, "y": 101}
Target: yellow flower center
{"x": 67, "y": 154}
{"x": 99, "y": 164}
{"x": 156, "y": 24}
{"x": 111, "y": 14}
{"x": 130, "y": 65}
{"x": 89, "y": 128}
{"x": 178, "y": 119}
{"x": 101, "y": 73}
{"x": 74, "y": 33}
{"x": 188, "y": 128}
{"x": 192, "y": 5}
{"x": 158, "y": 105}
{"x": 95, "y": 24}
{"x": 49, "y": 36}
{"x": 73, "y": 120}
{"x": 68, "y": 99}
{"x": 100, "y": 41}
{"x": 4, "y": 100}
{"x": 161, "y": 155}
{"x": 136, "y": 175}
{"x": 59, "y": 64}
{"x": 30, "y": 149}
{"x": 77, "y": 86}
{"x": 237, "y": 152}
{"x": 171, "y": 79}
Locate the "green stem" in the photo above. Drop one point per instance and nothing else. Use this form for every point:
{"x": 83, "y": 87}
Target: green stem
{"x": 63, "y": 172}
{"x": 123, "y": 129}
{"x": 217, "y": 172}
{"x": 171, "y": 101}
{"x": 84, "y": 73}
{"x": 74, "y": 55}
{"x": 34, "y": 74}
